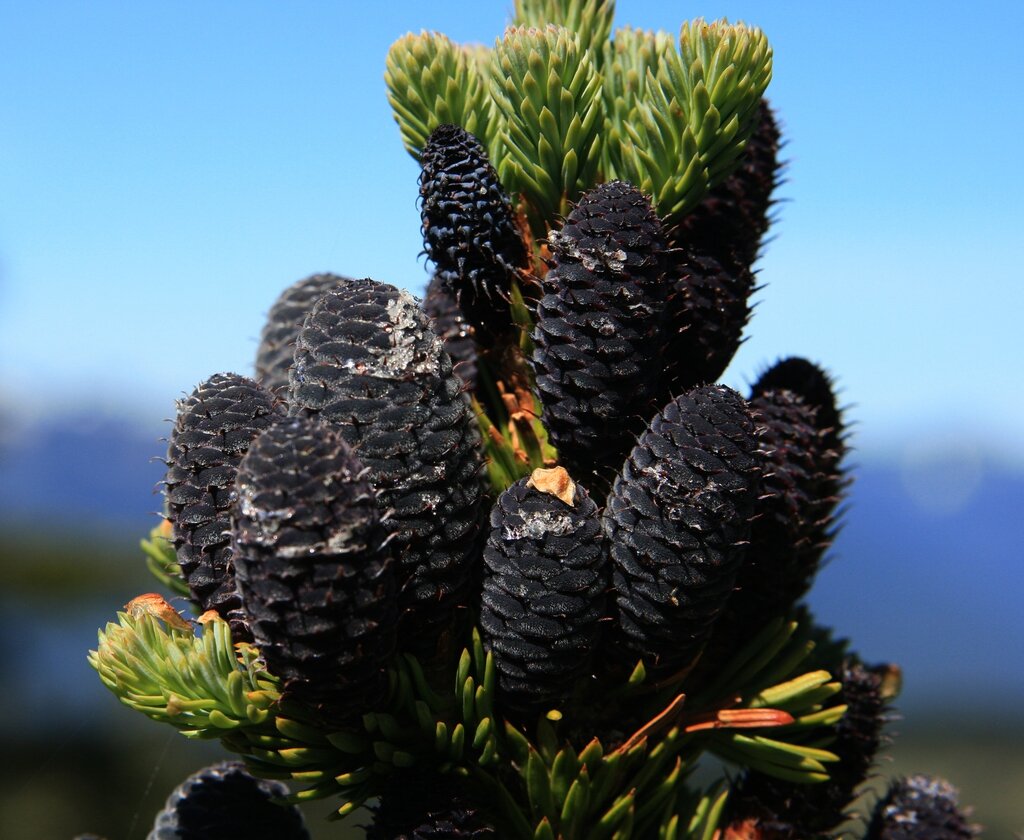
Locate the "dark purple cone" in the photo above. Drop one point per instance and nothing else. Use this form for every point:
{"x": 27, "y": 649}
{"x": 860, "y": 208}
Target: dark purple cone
{"x": 420, "y": 806}
{"x": 707, "y": 309}
{"x": 815, "y": 810}
{"x": 224, "y": 801}
{"x": 731, "y": 221}
{"x": 469, "y": 229}
{"x": 793, "y": 527}
{"x": 277, "y": 341}
{"x": 451, "y": 327}
{"x": 677, "y": 521}
{"x": 213, "y": 430}
{"x": 315, "y": 576}
{"x": 596, "y": 336}
{"x": 545, "y": 578}
{"x": 921, "y": 808}
{"x": 367, "y": 361}
{"x": 815, "y": 387}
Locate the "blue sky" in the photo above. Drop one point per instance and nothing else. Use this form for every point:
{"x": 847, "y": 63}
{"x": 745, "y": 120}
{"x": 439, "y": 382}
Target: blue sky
{"x": 166, "y": 169}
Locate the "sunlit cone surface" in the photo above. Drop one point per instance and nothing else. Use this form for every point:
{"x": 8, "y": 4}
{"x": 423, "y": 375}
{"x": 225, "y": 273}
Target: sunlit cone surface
{"x": 425, "y": 806}
{"x": 367, "y": 361}
{"x": 316, "y": 579}
{"x": 793, "y": 811}
{"x": 213, "y": 430}
{"x": 544, "y": 587}
{"x": 277, "y": 341}
{"x": 224, "y": 801}
{"x": 920, "y": 808}
{"x": 732, "y": 219}
{"x": 453, "y": 329}
{"x": 707, "y": 309}
{"x": 677, "y": 522}
{"x": 468, "y": 228}
{"x": 596, "y": 335}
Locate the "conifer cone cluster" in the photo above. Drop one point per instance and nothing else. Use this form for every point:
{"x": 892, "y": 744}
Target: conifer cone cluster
{"x": 277, "y": 340}
{"x": 315, "y": 577}
{"x": 920, "y": 808}
{"x": 367, "y": 362}
{"x": 469, "y": 229}
{"x": 544, "y": 587}
{"x": 677, "y": 520}
{"x": 214, "y": 428}
{"x": 597, "y": 328}
{"x": 223, "y": 801}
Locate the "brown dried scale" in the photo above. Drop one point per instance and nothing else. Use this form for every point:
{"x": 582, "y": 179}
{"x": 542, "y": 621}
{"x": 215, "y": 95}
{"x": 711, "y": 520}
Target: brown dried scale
{"x": 469, "y": 229}
{"x": 223, "y": 801}
{"x": 677, "y": 522}
{"x": 793, "y": 810}
{"x": 453, "y": 329}
{"x": 367, "y": 361}
{"x": 596, "y": 335}
{"x": 545, "y": 578}
{"x": 277, "y": 341}
{"x": 316, "y": 579}
{"x": 921, "y": 808}
{"x": 731, "y": 221}
{"x": 214, "y": 427}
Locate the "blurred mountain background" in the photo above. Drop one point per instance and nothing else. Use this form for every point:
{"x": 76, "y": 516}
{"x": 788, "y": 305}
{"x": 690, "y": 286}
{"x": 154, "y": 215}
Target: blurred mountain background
{"x": 168, "y": 169}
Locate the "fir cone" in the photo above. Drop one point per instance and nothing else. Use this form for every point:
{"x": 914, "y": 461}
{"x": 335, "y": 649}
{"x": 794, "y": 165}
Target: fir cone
{"x": 224, "y": 801}
{"x": 367, "y": 361}
{"x": 793, "y": 527}
{"x": 212, "y": 432}
{"x": 316, "y": 581}
{"x": 469, "y": 229}
{"x": 707, "y": 309}
{"x": 596, "y": 336}
{"x": 921, "y": 808}
{"x": 453, "y": 329}
{"x": 677, "y": 522}
{"x": 545, "y": 578}
{"x": 790, "y": 810}
{"x": 427, "y": 806}
{"x": 815, "y": 387}
{"x": 277, "y": 341}
{"x": 731, "y": 221}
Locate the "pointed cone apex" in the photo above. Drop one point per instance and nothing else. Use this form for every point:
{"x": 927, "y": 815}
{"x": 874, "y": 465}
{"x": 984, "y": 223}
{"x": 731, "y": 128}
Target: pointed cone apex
{"x": 921, "y": 808}
{"x": 316, "y": 580}
{"x": 367, "y": 362}
{"x": 544, "y": 588}
{"x": 469, "y": 231}
{"x": 224, "y": 800}
{"x": 212, "y": 432}
{"x": 677, "y": 522}
{"x": 596, "y": 330}
{"x": 277, "y": 341}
